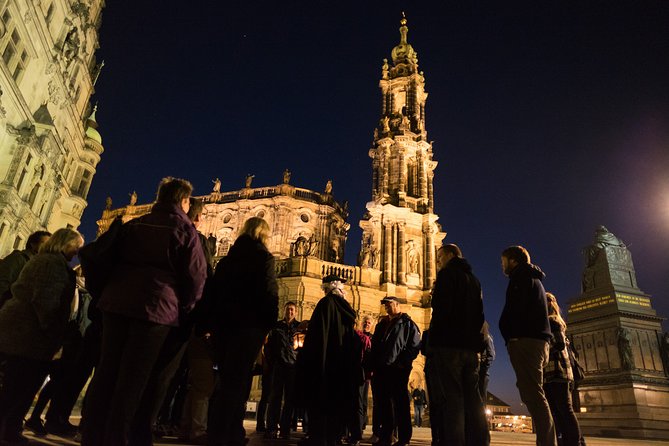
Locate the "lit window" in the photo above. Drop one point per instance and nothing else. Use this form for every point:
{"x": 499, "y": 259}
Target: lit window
{"x": 13, "y": 52}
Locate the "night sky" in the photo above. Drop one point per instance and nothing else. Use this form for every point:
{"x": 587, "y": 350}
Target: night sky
{"x": 548, "y": 118}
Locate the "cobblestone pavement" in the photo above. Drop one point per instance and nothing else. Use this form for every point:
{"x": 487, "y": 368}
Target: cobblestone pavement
{"x": 421, "y": 437}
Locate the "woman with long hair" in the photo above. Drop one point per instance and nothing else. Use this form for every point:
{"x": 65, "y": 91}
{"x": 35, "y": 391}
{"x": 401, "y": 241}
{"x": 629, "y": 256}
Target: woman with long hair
{"x": 557, "y": 376}
{"x": 246, "y": 307}
{"x": 32, "y": 327}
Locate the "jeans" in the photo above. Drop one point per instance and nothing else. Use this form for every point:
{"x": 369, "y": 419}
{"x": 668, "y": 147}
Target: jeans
{"x": 201, "y": 380}
{"x": 559, "y": 399}
{"x": 528, "y": 358}
{"x": 394, "y": 403}
{"x": 20, "y": 379}
{"x": 418, "y": 414}
{"x": 283, "y": 387}
{"x": 235, "y": 355}
{"x": 130, "y": 348}
{"x": 457, "y": 408}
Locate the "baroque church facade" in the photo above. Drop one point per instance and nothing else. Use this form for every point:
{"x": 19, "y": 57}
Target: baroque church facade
{"x": 309, "y": 228}
{"x": 49, "y": 143}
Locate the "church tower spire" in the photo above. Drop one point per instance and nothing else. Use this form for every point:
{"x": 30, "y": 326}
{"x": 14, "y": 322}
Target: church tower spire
{"x": 400, "y": 232}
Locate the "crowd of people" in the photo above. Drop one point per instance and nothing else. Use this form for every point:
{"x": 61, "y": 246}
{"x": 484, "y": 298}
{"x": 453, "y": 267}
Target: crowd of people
{"x": 171, "y": 341}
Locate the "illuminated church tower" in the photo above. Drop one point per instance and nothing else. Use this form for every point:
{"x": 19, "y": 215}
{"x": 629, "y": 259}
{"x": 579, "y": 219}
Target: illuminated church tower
{"x": 400, "y": 230}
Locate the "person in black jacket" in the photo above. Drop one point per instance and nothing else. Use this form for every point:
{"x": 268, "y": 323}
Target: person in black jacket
{"x": 395, "y": 344}
{"x": 524, "y": 326}
{"x": 246, "y": 309}
{"x": 280, "y": 351}
{"x": 454, "y": 342}
{"x": 329, "y": 364}
{"x": 11, "y": 266}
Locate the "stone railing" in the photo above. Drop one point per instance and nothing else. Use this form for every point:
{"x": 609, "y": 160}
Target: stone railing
{"x": 272, "y": 191}
{"x": 316, "y": 268}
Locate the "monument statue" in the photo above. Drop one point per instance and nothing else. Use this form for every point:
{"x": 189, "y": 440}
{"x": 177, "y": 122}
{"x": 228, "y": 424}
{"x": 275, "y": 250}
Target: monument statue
{"x": 664, "y": 351}
{"x": 603, "y": 238}
{"x": 385, "y": 122}
{"x": 625, "y": 349}
{"x": 300, "y": 247}
{"x": 217, "y": 185}
{"x": 286, "y": 176}
{"x": 133, "y": 198}
{"x": 249, "y": 180}
{"x": 412, "y": 258}
{"x": 71, "y": 46}
{"x": 376, "y": 258}
{"x": 108, "y": 203}
{"x": 328, "y": 187}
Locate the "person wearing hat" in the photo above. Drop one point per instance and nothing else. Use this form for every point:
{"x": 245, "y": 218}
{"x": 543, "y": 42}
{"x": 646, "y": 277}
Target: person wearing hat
{"x": 330, "y": 364}
{"x": 395, "y": 345}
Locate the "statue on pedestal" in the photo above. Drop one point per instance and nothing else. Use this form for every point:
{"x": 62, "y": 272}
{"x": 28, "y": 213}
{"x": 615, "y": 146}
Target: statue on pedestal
{"x": 625, "y": 349}
{"x": 603, "y": 238}
{"x": 108, "y": 204}
{"x": 412, "y": 258}
{"x": 286, "y": 176}
{"x": 249, "y": 180}
{"x": 133, "y": 198}
{"x": 328, "y": 187}
{"x": 217, "y": 186}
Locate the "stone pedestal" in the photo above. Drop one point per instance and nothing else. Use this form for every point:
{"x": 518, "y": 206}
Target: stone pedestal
{"x": 618, "y": 337}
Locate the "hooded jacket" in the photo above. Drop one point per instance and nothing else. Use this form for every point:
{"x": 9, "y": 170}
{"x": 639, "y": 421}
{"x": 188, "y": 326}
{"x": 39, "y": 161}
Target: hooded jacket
{"x": 457, "y": 308}
{"x": 525, "y": 314}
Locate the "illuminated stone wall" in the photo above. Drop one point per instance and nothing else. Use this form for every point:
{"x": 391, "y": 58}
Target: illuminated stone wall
{"x": 49, "y": 145}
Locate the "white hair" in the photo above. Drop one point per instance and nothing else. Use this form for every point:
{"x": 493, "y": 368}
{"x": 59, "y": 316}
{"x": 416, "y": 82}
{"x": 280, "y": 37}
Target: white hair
{"x": 335, "y": 287}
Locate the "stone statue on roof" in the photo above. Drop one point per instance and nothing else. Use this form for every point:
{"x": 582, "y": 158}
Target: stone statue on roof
{"x": 286, "y": 176}
{"x": 249, "y": 180}
{"x": 217, "y": 185}
{"x": 133, "y": 198}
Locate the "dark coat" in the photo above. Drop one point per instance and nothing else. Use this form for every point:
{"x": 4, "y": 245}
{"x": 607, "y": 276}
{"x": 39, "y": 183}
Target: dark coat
{"x": 457, "y": 308}
{"x": 329, "y": 364}
{"x": 10, "y": 268}
{"x": 395, "y": 342}
{"x": 245, "y": 288}
{"x": 525, "y": 313}
{"x": 558, "y": 368}
{"x": 33, "y": 322}
{"x": 487, "y": 355}
{"x": 161, "y": 268}
{"x": 279, "y": 349}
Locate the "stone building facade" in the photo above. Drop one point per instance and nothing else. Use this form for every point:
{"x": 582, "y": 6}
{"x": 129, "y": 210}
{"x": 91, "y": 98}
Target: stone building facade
{"x": 49, "y": 143}
{"x": 618, "y": 336}
{"x": 309, "y": 229}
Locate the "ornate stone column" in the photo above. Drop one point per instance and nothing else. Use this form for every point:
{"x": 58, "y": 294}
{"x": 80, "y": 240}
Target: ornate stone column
{"x": 428, "y": 240}
{"x": 385, "y": 169}
{"x": 402, "y": 186}
{"x": 422, "y": 175}
{"x": 401, "y": 264}
{"x": 388, "y": 252}
{"x": 430, "y": 192}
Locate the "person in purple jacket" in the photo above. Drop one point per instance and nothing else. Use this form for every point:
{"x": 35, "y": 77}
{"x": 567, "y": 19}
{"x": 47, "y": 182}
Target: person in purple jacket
{"x": 158, "y": 278}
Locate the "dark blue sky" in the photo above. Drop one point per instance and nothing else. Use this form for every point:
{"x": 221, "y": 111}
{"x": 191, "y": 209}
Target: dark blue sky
{"x": 548, "y": 118}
